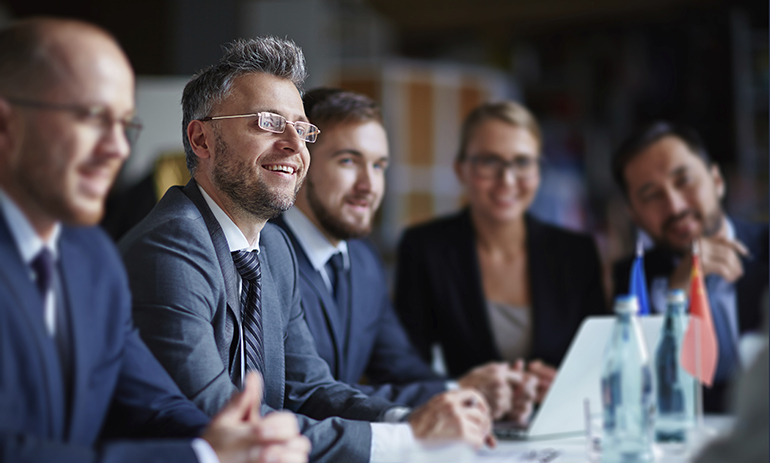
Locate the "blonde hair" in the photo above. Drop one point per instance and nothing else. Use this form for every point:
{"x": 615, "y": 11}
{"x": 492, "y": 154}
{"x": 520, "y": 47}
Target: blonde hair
{"x": 507, "y": 111}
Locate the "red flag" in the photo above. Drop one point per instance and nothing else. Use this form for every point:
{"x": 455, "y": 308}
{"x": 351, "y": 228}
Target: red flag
{"x": 700, "y": 351}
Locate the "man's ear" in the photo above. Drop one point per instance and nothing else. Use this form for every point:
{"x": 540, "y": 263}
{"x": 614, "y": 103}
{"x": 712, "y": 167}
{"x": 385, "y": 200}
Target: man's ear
{"x": 201, "y": 139}
{"x": 719, "y": 182}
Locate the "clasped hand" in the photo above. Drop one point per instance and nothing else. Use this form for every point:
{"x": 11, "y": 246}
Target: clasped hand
{"x": 239, "y": 434}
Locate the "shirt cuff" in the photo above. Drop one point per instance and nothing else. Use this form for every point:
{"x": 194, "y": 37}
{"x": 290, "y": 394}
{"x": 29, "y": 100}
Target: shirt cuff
{"x": 391, "y": 442}
{"x": 452, "y": 385}
{"x": 204, "y": 452}
{"x": 396, "y": 414}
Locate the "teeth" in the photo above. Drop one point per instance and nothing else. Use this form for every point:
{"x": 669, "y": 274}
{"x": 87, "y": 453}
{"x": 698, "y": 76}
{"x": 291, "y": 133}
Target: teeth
{"x": 286, "y": 169}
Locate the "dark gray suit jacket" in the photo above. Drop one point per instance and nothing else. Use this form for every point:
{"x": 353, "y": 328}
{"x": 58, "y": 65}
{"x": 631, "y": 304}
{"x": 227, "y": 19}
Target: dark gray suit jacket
{"x": 187, "y": 309}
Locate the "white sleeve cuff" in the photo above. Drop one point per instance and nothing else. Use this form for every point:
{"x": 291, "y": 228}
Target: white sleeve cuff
{"x": 395, "y": 415}
{"x": 204, "y": 452}
{"x": 452, "y": 385}
{"x": 391, "y": 442}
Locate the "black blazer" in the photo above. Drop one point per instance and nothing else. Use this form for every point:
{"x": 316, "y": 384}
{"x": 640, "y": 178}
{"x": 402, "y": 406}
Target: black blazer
{"x": 440, "y": 299}
{"x": 750, "y": 288}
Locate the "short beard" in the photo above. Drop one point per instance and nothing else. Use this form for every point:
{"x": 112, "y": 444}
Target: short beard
{"x": 251, "y": 195}
{"x": 712, "y": 223}
{"x": 333, "y": 225}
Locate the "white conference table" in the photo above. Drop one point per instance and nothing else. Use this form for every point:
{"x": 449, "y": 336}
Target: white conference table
{"x": 563, "y": 450}
{"x": 574, "y": 449}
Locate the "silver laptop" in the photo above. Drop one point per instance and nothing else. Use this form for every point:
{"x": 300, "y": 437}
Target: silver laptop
{"x": 562, "y": 411}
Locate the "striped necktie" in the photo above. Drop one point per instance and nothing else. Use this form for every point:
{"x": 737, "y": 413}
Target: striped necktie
{"x": 247, "y": 264}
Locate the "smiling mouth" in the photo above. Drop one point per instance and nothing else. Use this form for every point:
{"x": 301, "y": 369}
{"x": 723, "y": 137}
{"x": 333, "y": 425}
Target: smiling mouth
{"x": 279, "y": 168}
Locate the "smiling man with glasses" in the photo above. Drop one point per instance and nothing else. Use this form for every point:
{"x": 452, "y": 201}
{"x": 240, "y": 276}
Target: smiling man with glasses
{"x": 216, "y": 291}
{"x": 76, "y": 381}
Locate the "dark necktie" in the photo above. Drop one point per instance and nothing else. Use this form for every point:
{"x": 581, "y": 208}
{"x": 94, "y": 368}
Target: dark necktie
{"x": 43, "y": 267}
{"x": 338, "y": 277}
{"x": 247, "y": 264}
{"x": 728, "y": 358}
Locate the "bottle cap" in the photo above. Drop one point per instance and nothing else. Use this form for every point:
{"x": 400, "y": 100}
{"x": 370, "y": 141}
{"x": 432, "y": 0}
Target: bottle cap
{"x": 626, "y": 304}
{"x": 676, "y": 296}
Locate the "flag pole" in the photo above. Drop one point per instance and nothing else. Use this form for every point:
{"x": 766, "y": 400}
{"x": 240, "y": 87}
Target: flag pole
{"x": 699, "y": 388}
{"x": 702, "y": 430}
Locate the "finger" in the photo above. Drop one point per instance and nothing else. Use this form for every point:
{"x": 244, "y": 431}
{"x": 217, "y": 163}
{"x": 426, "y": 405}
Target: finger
{"x": 255, "y": 384}
{"x": 515, "y": 377}
{"x": 490, "y": 441}
{"x": 740, "y": 248}
{"x": 278, "y": 427}
{"x": 300, "y": 443}
{"x": 734, "y": 244}
{"x": 240, "y": 404}
{"x": 280, "y": 454}
{"x": 518, "y": 365}
{"x": 476, "y": 417}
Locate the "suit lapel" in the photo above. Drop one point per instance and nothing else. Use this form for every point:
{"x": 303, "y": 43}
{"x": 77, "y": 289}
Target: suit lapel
{"x": 227, "y": 267}
{"x": 464, "y": 269}
{"x": 360, "y": 297}
{"x": 539, "y": 276}
{"x": 753, "y": 283}
{"x": 220, "y": 245}
{"x": 30, "y": 304}
{"x": 325, "y": 299}
{"x": 272, "y": 333}
{"x": 75, "y": 279}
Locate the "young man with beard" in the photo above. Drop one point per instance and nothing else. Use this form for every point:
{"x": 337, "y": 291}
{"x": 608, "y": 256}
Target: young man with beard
{"x": 674, "y": 193}
{"x": 344, "y": 292}
{"x": 215, "y": 287}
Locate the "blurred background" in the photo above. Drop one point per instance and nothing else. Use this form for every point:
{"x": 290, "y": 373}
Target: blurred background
{"x": 590, "y": 70}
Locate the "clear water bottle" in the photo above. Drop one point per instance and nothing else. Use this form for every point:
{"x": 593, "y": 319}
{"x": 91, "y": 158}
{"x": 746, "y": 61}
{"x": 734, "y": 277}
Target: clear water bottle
{"x": 628, "y": 398}
{"x": 675, "y": 387}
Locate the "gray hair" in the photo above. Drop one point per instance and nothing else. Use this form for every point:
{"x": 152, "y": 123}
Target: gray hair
{"x": 269, "y": 55}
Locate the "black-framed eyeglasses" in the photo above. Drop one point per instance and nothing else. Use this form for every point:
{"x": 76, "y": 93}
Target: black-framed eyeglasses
{"x": 487, "y": 166}
{"x": 276, "y": 123}
{"x": 96, "y": 115}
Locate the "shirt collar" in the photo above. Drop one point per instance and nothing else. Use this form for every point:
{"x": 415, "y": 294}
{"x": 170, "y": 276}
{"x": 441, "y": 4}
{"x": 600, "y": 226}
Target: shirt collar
{"x": 236, "y": 240}
{"x": 317, "y": 248}
{"x": 28, "y": 242}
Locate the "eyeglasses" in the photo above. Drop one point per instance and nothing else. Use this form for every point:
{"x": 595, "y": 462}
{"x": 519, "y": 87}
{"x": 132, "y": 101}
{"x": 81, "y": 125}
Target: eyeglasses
{"x": 276, "y": 123}
{"x": 524, "y": 167}
{"x": 97, "y": 116}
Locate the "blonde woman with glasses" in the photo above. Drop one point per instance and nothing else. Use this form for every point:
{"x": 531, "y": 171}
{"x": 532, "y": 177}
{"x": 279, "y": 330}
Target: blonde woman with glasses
{"x": 492, "y": 282}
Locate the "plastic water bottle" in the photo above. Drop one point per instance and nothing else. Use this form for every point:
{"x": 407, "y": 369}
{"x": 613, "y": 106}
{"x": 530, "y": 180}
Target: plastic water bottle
{"x": 627, "y": 390}
{"x": 675, "y": 387}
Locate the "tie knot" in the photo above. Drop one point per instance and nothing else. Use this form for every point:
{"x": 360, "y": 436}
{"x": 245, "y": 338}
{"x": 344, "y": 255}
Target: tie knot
{"x": 43, "y": 267}
{"x": 337, "y": 262}
{"x": 247, "y": 264}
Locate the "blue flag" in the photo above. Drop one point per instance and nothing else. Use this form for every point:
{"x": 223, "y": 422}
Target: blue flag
{"x": 638, "y": 286}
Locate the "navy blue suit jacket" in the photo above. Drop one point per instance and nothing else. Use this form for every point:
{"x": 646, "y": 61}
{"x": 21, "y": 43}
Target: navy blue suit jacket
{"x": 373, "y": 344}
{"x": 440, "y": 298}
{"x": 749, "y": 289}
{"x": 118, "y": 389}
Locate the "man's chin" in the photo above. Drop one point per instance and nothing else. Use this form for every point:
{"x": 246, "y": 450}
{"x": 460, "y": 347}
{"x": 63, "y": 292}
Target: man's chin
{"x": 84, "y": 216}
{"x": 680, "y": 245}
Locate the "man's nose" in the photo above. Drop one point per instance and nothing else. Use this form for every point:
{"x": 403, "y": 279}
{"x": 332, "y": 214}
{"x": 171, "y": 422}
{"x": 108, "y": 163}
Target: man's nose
{"x": 364, "y": 179}
{"x": 114, "y": 142}
{"x": 675, "y": 202}
{"x": 290, "y": 139}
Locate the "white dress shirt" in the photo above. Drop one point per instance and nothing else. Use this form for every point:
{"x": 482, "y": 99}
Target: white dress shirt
{"x": 29, "y": 245}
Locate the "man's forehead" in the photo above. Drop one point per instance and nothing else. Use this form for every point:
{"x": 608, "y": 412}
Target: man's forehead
{"x": 265, "y": 92}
